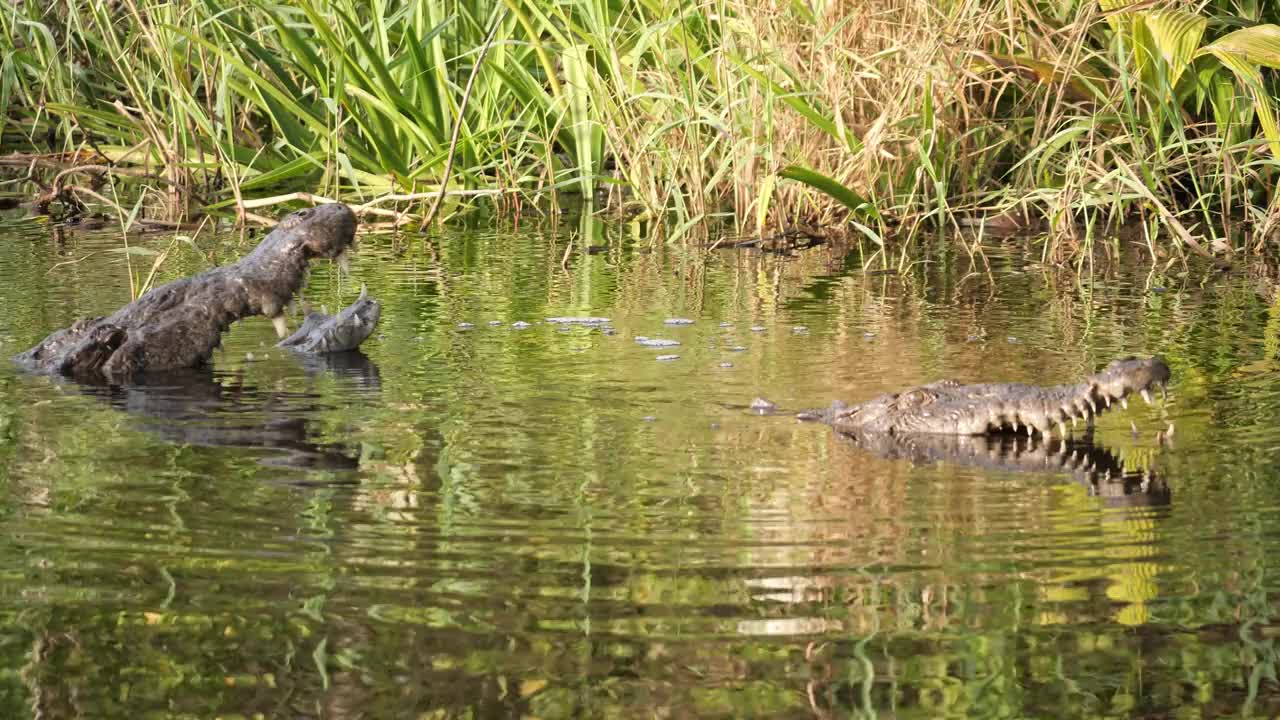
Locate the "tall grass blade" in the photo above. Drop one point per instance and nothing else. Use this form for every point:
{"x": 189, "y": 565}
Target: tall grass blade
{"x": 797, "y": 101}
{"x": 833, "y": 188}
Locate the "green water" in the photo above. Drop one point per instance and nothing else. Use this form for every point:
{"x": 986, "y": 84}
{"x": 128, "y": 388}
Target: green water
{"x": 547, "y": 522}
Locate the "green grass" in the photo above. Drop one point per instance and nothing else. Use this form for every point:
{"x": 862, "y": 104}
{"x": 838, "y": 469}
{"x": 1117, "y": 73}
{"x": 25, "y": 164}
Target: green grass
{"x": 885, "y": 117}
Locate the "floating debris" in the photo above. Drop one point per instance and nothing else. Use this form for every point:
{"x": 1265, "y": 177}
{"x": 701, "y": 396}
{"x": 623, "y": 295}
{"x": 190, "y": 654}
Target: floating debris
{"x": 579, "y": 320}
{"x": 762, "y": 406}
{"x": 758, "y": 328}
{"x": 726, "y": 364}
{"x": 667, "y": 358}
{"x": 495, "y": 323}
{"x": 656, "y": 342}
{"x": 465, "y": 326}
{"x": 608, "y": 331}
{"x": 726, "y": 324}
{"x": 800, "y": 329}
{"x": 649, "y": 418}
{"x": 677, "y": 321}
{"x": 737, "y": 348}
{"x": 520, "y": 325}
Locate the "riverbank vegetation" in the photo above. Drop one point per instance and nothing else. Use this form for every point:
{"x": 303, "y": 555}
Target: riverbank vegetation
{"x": 885, "y": 116}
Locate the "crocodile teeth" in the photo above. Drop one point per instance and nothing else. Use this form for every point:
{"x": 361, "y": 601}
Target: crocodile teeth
{"x": 1164, "y": 396}
{"x": 1073, "y": 420}
{"x": 1093, "y": 408}
{"x": 1124, "y": 403}
{"x": 1146, "y": 395}
{"x": 282, "y": 329}
{"x": 1062, "y": 428}
{"x": 1107, "y": 399}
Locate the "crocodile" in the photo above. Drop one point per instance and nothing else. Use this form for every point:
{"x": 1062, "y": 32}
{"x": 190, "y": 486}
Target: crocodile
{"x": 949, "y": 408}
{"x": 179, "y": 324}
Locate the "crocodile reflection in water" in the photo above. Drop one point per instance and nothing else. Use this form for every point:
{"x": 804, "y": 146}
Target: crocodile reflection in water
{"x": 198, "y": 407}
{"x": 1099, "y": 469}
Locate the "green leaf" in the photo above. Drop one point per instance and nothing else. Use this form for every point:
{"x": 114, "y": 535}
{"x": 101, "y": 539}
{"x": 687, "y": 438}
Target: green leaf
{"x": 1078, "y": 87}
{"x": 1243, "y": 51}
{"x": 798, "y": 103}
{"x": 303, "y": 166}
{"x": 1116, "y": 17}
{"x": 763, "y": 200}
{"x": 424, "y": 67}
{"x": 587, "y": 134}
{"x": 252, "y": 80}
{"x": 1177, "y": 36}
{"x": 1257, "y": 45}
{"x": 8, "y": 81}
{"x": 832, "y": 188}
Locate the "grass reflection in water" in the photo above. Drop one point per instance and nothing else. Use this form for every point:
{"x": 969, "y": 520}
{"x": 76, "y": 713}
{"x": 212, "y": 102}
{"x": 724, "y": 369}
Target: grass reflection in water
{"x": 479, "y": 521}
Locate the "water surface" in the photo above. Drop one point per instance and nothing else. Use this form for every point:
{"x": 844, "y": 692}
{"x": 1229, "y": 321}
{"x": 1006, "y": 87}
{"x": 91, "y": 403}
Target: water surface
{"x": 480, "y": 520}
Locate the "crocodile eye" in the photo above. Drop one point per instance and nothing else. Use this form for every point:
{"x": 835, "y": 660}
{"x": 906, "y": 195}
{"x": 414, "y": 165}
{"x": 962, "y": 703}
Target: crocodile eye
{"x": 305, "y": 213}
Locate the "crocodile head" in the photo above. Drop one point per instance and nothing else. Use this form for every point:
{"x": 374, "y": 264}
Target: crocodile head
{"x": 323, "y": 231}
{"x": 1131, "y": 375}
